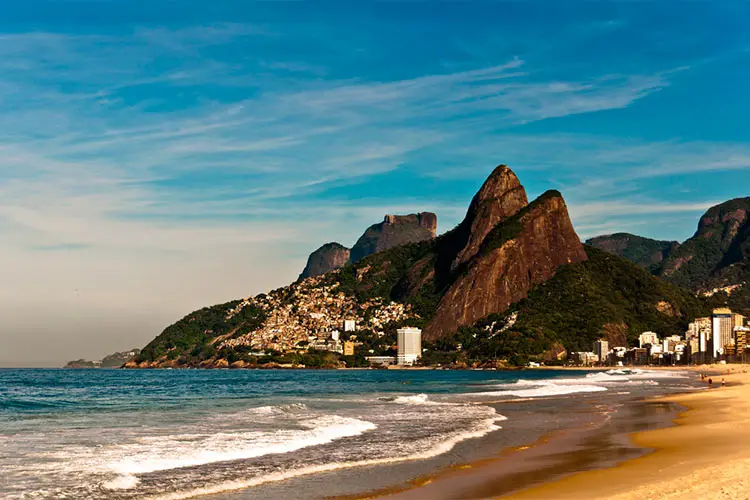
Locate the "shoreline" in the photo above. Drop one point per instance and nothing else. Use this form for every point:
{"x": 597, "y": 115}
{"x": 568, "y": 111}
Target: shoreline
{"x": 696, "y": 451}
{"x": 553, "y": 456}
{"x": 703, "y": 455}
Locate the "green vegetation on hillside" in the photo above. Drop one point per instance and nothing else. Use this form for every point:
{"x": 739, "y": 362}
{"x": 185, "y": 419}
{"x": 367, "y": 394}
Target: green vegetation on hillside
{"x": 705, "y": 259}
{"x": 605, "y": 296}
{"x": 644, "y": 252}
{"x": 190, "y": 337}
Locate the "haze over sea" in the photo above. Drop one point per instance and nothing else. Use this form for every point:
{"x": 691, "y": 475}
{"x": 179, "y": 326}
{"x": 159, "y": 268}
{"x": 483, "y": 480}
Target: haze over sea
{"x": 173, "y": 434}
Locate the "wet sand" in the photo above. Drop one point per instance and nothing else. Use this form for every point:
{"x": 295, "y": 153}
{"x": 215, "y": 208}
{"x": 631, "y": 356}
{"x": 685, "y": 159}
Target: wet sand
{"x": 600, "y": 444}
{"x": 705, "y": 456}
{"x": 683, "y": 446}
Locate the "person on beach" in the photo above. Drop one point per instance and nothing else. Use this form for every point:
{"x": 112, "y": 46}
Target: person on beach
{"x": 723, "y": 383}
{"x": 710, "y": 382}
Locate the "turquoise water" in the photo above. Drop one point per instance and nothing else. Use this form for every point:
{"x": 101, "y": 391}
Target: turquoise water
{"x": 173, "y": 434}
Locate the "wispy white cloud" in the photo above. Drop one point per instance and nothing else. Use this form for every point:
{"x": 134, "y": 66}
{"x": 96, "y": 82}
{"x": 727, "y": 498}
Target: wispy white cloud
{"x": 145, "y": 167}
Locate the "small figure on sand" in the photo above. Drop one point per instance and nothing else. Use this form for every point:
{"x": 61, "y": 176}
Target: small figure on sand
{"x": 723, "y": 383}
{"x": 710, "y": 382}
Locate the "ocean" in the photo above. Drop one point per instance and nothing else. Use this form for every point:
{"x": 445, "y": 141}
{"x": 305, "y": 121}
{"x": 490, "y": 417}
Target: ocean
{"x": 173, "y": 434}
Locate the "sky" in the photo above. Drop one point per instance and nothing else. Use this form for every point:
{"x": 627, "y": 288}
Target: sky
{"x": 160, "y": 156}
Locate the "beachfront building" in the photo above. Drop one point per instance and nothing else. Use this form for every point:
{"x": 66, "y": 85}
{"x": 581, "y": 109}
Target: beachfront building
{"x": 409, "y": 345}
{"x": 582, "y": 358}
{"x": 722, "y": 326}
{"x": 601, "y": 350}
{"x": 381, "y": 360}
{"x": 350, "y": 325}
{"x": 648, "y": 338}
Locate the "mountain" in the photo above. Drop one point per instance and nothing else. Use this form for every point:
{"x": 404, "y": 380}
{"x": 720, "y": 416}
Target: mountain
{"x": 395, "y": 230}
{"x": 524, "y": 248}
{"x": 115, "y": 360}
{"x": 717, "y": 256}
{"x": 325, "y": 259}
{"x": 513, "y": 279}
{"x": 644, "y": 252}
{"x": 604, "y": 296}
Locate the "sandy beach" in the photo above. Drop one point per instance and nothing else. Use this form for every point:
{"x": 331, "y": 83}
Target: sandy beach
{"x": 704, "y": 455}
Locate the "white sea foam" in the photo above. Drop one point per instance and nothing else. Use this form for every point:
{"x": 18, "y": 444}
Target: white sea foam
{"x": 529, "y": 389}
{"x": 481, "y": 429}
{"x": 416, "y": 399}
{"x": 177, "y": 451}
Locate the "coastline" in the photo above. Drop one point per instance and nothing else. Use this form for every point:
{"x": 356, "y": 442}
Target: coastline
{"x": 704, "y": 455}
{"x": 695, "y": 449}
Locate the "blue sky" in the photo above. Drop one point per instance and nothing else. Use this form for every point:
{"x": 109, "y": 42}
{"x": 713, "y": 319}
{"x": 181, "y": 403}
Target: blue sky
{"x": 159, "y": 156}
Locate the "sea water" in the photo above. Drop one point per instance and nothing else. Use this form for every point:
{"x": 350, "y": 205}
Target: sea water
{"x": 173, "y": 434}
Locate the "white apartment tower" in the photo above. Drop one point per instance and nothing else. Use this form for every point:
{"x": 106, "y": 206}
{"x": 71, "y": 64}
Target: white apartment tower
{"x": 722, "y": 326}
{"x": 409, "y": 345}
{"x": 601, "y": 349}
{"x": 648, "y": 338}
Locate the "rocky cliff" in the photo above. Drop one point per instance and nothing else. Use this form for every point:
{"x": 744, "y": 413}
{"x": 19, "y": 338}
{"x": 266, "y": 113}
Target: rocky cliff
{"x": 644, "y": 252}
{"x": 395, "y": 230}
{"x": 511, "y": 280}
{"x": 325, "y": 259}
{"x": 718, "y": 254}
{"x": 500, "y": 197}
{"x": 522, "y": 250}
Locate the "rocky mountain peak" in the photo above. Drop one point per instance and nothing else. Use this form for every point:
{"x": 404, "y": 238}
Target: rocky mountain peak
{"x": 395, "y": 230}
{"x": 520, "y": 251}
{"x": 325, "y": 259}
{"x": 501, "y": 196}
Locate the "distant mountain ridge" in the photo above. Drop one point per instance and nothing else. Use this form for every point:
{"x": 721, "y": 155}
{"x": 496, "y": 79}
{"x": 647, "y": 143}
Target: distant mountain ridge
{"x": 114, "y": 360}
{"x": 645, "y": 252}
{"x": 511, "y": 281}
{"x": 393, "y": 231}
{"x": 715, "y": 260}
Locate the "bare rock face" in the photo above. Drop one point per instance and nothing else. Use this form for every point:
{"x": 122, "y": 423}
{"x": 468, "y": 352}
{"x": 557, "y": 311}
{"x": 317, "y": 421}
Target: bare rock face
{"x": 393, "y": 231}
{"x": 503, "y": 262}
{"x": 325, "y": 259}
{"x": 501, "y": 196}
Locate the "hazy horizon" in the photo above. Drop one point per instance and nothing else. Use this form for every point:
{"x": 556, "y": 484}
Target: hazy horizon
{"x": 156, "y": 160}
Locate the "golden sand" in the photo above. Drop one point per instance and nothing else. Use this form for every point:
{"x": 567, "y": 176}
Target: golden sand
{"x": 706, "y": 456}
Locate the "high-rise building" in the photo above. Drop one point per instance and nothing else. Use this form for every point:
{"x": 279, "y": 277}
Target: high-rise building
{"x": 350, "y": 325}
{"x": 409, "y": 345}
{"x": 648, "y": 338}
{"x": 721, "y": 330}
{"x": 601, "y": 349}
{"x": 738, "y": 320}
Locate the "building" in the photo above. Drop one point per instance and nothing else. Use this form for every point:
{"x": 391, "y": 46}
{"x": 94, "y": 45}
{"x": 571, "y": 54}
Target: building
{"x": 738, "y": 320}
{"x": 601, "y": 349}
{"x": 409, "y": 345}
{"x": 583, "y": 358}
{"x": 381, "y": 360}
{"x": 722, "y": 326}
{"x": 648, "y": 338}
{"x": 348, "y": 348}
{"x": 741, "y": 338}
{"x": 350, "y": 325}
